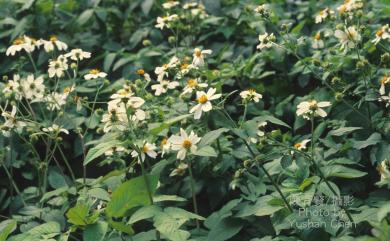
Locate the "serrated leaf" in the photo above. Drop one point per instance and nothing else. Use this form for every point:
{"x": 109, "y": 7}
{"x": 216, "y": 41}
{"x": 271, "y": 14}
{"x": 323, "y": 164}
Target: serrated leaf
{"x": 99, "y": 150}
{"x": 211, "y": 136}
{"x": 95, "y": 232}
{"x": 206, "y": 151}
{"x": 130, "y": 194}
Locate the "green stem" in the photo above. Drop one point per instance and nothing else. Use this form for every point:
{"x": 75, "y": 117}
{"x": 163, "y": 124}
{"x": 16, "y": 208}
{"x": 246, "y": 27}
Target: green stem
{"x": 320, "y": 172}
{"x": 32, "y": 62}
{"x": 146, "y": 179}
{"x": 67, "y": 164}
{"x": 14, "y": 185}
{"x": 194, "y": 202}
{"x": 269, "y": 176}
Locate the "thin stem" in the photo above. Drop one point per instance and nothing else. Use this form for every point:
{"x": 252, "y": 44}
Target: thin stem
{"x": 244, "y": 116}
{"x": 32, "y": 62}
{"x": 146, "y": 179}
{"x": 67, "y": 163}
{"x": 269, "y": 176}
{"x": 320, "y": 172}
{"x": 14, "y": 185}
{"x": 194, "y": 202}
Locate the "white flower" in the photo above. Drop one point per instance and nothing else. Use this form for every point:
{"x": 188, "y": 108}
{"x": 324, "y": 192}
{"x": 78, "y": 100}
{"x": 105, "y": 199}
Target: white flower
{"x": 116, "y": 118}
{"x": 94, "y": 74}
{"x": 263, "y": 10}
{"x": 55, "y": 129}
{"x": 382, "y": 33}
{"x": 266, "y": 40}
{"x": 179, "y": 170}
{"x": 13, "y": 87}
{"x": 301, "y": 145}
{"x": 184, "y": 143}
{"x": 199, "y": 55}
{"x": 318, "y": 43}
{"x": 58, "y": 67}
{"x": 56, "y": 100}
{"x": 124, "y": 93}
{"x": 165, "y": 21}
{"x": 348, "y": 38}
{"x": 193, "y": 84}
{"x": 142, "y": 72}
{"x": 312, "y": 108}
{"x": 165, "y": 146}
{"x": 323, "y": 14}
{"x": 146, "y": 149}
{"x": 162, "y": 71}
{"x": 113, "y": 150}
{"x": 251, "y": 94}
{"x": 190, "y": 5}
{"x": 184, "y": 69}
{"x": 78, "y": 54}
{"x": 384, "y": 170}
{"x": 204, "y": 102}
{"x": 22, "y": 43}
{"x": 11, "y": 121}
{"x": 261, "y": 126}
{"x": 170, "y": 4}
{"x": 385, "y": 80}
{"x": 385, "y": 98}
{"x": 52, "y": 43}
{"x": 33, "y": 89}
{"x": 349, "y": 6}
{"x": 163, "y": 86}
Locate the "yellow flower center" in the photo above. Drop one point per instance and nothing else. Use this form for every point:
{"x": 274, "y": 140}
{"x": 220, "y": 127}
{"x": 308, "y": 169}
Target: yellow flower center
{"x": 202, "y": 99}
{"x": 18, "y": 41}
{"x": 192, "y": 83}
{"x": 342, "y": 8}
{"x": 53, "y": 38}
{"x": 164, "y": 142}
{"x": 141, "y": 71}
{"x": 198, "y": 53}
{"x": 379, "y": 33}
{"x": 94, "y": 71}
{"x": 184, "y": 66}
{"x": 385, "y": 80}
{"x": 297, "y": 145}
{"x": 317, "y": 36}
{"x": 313, "y": 105}
{"x": 187, "y": 144}
{"x": 67, "y": 90}
{"x": 145, "y": 149}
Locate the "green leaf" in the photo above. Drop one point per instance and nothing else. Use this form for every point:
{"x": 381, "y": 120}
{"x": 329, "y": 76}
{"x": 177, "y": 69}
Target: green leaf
{"x": 372, "y": 140}
{"x": 6, "y": 228}
{"x": 147, "y": 6}
{"x": 225, "y": 229}
{"x": 206, "y": 151}
{"x": 79, "y": 215}
{"x": 211, "y": 136}
{"x": 297, "y": 29}
{"x": 131, "y": 194}
{"x": 167, "y": 124}
{"x": 272, "y": 119}
{"x": 121, "y": 227}
{"x": 108, "y": 60}
{"x": 84, "y": 17}
{"x": 99, "y": 150}
{"x": 144, "y": 213}
{"x": 383, "y": 211}
{"x": 343, "y": 131}
{"x": 342, "y": 171}
{"x": 95, "y": 232}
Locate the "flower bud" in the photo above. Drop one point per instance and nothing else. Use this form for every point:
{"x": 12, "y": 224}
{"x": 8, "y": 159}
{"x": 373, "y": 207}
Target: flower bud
{"x": 73, "y": 65}
{"x": 5, "y": 78}
{"x": 335, "y": 80}
{"x": 247, "y": 163}
{"x": 99, "y": 131}
{"x": 338, "y": 96}
{"x": 340, "y": 26}
{"x": 171, "y": 39}
{"x": 146, "y": 42}
{"x": 385, "y": 58}
{"x": 106, "y": 82}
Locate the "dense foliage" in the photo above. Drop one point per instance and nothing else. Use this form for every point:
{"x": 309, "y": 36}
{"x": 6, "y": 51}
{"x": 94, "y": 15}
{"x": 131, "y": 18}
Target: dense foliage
{"x": 206, "y": 120}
